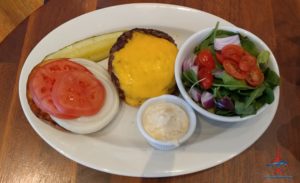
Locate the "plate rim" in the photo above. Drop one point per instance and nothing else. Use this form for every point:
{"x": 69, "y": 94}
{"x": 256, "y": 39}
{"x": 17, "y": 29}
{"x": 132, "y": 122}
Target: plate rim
{"x": 164, "y": 174}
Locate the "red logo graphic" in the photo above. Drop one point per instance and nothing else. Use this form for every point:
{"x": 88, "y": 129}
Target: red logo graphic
{"x": 278, "y": 163}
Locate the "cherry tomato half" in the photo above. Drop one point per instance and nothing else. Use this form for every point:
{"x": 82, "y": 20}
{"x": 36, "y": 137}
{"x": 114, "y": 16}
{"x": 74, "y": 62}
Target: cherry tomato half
{"x": 232, "y": 68}
{"x": 205, "y": 59}
{"x": 247, "y": 62}
{"x": 219, "y": 57}
{"x": 255, "y": 77}
{"x": 232, "y": 52}
{"x": 206, "y": 76}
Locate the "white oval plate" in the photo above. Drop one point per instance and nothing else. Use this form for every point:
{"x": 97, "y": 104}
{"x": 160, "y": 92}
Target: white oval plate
{"x": 119, "y": 148}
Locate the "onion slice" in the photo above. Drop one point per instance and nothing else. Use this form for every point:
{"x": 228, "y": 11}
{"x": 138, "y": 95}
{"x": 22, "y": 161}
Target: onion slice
{"x": 195, "y": 69}
{"x": 187, "y": 63}
{"x": 225, "y": 103}
{"x": 218, "y": 73}
{"x": 222, "y": 42}
{"x": 195, "y": 94}
{"x": 207, "y": 100}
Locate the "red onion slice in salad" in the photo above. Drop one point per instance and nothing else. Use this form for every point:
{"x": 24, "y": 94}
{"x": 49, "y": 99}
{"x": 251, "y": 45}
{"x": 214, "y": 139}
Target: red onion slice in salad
{"x": 221, "y": 42}
{"x": 195, "y": 94}
{"x": 225, "y": 103}
{"x": 207, "y": 100}
{"x": 188, "y": 63}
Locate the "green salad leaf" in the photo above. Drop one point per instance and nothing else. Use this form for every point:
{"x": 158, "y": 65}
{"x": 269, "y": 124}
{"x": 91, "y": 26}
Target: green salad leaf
{"x": 247, "y": 100}
{"x": 189, "y": 78}
{"x": 262, "y": 59}
{"x": 231, "y": 83}
{"x": 224, "y": 33}
{"x": 254, "y": 94}
{"x": 249, "y": 46}
{"x": 271, "y": 78}
{"x": 208, "y": 42}
{"x": 242, "y": 110}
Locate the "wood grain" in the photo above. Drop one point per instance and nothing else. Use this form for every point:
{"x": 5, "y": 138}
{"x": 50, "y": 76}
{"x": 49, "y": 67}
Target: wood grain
{"x": 25, "y": 157}
{"x": 13, "y": 12}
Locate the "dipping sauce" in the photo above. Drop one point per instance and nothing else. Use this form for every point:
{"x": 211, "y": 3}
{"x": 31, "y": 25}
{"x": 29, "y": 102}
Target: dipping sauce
{"x": 165, "y": 121}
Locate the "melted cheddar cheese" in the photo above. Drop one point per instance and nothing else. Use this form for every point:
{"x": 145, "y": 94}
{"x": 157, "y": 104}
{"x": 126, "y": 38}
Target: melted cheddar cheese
{"x": 145, "y": 67}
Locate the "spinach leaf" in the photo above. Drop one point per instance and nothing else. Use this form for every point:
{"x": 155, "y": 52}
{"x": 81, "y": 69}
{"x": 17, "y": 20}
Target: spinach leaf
{"x": 224, "y": 112}
{"x": 254, "y": 94}
{"x": 267, "y": 97}
{"x": 258, "y": 104}
{"x": 271, "y": 78}
{"x": 249, "y": 46}
{"x": 242, "y": 110}
{"x": 231, "y": 83}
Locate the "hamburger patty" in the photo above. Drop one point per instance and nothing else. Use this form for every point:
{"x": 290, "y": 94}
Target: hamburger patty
{"x": 122, "y": 41}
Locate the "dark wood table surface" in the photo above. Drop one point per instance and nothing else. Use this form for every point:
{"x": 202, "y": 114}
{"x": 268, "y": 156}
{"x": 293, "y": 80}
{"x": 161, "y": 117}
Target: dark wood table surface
{"x": 25, "y": 157}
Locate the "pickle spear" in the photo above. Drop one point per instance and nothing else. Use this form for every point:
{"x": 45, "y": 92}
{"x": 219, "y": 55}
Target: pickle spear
{"x": 94, "y": 48}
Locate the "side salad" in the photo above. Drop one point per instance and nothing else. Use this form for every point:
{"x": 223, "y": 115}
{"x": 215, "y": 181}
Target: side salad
{"x": 228, "y": 75}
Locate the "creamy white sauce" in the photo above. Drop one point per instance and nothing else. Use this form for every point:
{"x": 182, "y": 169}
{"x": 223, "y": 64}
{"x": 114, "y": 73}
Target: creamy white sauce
{"x": 165, "y": 121}
{"x": 90, "y": 124}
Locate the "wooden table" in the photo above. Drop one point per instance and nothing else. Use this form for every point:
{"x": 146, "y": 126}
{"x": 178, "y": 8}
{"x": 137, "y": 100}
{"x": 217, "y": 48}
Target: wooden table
{"x": 25, "y": 157}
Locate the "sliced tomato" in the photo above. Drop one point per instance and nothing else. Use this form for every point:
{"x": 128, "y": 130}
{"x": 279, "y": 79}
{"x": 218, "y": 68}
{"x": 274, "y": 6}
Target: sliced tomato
{"x": 255, "y": 77}
{"x": 206, "y": 76}
{"x": 62, "y": 65}
{"x": 78, "y": 93}
{"x": 205, "y": 59}
{"x": 232, "y": 52}
{"x": 247, "y": 62}
{"x": 47, "y": 105}
{"x": 232, "y": 68}
{"x": 41, "y": 84}
{"x": 219, "y": 57}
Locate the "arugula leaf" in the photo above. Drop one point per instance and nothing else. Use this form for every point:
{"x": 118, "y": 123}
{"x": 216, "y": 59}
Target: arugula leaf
{"x": 244, "y": 92}
{"x": 189, "y": 78}
{"x": 224, "y": 33}
{"x": 248, "y": 45}
{"x": 220, "y": 92}
{"x": 271, "y": 78}
{"x": 214, "y": 32}
{"x": 209, "y": 41}
{"x": 254, "y": 94}
{"x": 204, "y": 44}
{"x": 231, "y": 83}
